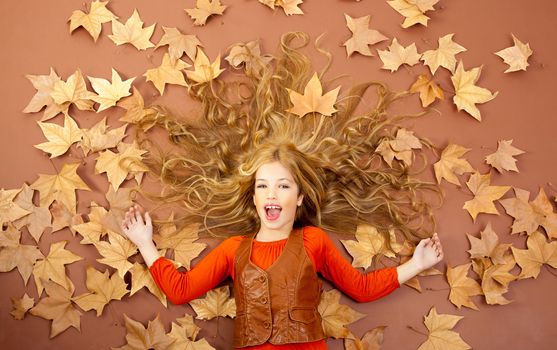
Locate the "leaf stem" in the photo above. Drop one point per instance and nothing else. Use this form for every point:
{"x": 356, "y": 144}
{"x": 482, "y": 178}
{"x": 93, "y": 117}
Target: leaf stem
{"x": 437, "y": 289}
{"x": 415, "y": 330}
{"x": 53, "y": 165}
{"x": 550, "y": 270}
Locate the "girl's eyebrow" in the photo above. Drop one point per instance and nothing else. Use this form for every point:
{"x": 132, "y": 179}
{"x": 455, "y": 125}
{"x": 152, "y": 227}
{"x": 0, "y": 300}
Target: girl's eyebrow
{"x": 278, "y": 179}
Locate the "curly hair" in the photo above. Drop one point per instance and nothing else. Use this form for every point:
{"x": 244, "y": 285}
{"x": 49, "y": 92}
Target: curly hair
{"x": 210, "y": 171}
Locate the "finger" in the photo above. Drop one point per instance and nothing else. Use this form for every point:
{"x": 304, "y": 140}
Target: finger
{"x": 423, "y": 242}
{"x": 148, "y": 219}
{"x": 139, "y": 217}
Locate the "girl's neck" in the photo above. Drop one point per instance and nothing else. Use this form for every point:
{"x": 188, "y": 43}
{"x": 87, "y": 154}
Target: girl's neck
{"x": 269, "y": 235}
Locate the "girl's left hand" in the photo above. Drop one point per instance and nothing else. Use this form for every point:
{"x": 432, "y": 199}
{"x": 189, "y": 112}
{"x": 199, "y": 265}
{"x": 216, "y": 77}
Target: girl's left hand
{"x": 428, "y": 252}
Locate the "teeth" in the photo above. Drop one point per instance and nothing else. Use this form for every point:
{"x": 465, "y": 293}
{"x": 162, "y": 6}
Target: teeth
{"x": 273, "y": 207}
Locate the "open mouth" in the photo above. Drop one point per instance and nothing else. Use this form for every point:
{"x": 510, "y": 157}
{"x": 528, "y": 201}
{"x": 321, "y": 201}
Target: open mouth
{"x": 272, "y": 212}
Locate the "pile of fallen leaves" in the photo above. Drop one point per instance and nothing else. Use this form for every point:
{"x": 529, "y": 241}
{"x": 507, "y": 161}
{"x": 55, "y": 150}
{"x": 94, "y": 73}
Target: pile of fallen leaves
{"x": 490, "y": 261}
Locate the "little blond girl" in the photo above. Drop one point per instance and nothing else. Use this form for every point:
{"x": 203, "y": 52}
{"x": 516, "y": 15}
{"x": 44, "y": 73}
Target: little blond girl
{"x": 275, "y": 180}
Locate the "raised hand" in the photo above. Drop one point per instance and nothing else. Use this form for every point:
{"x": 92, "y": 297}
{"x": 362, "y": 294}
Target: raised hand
{"x": 428, "y": 252}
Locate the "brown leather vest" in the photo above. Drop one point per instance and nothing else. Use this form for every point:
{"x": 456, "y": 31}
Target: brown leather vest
{"x": 279, "y": 304}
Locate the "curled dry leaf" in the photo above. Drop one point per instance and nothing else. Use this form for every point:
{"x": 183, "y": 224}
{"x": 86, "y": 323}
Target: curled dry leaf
{"x": 496, "y": 279}
{"x": 451, "y": 164}
{"x": 21, "y": 306}
{"x": 516, "y": 56}
{"x": 135, "y": 109}
{"x": 362, "y": 36}
{"x": 203, "y": 9}
{"x": 413, "y": 10}
{"x": 169, "y": 72}
{"x": 250, "y": 55}
{"x": 92, "y": 21}
{"x": 503, "y": 158}
{"x": 45, "y": 86}
{"x": 462, "y": 286}
{"x": 441, "y": 335}
{"x": 429, "y": 91}
{"x": 335, "y": 316}
{"x": 313, "y": 99}
{"x": 108, "y": 93}
{"x": 139, "y": 338}
{"x": 14, "y": 254}
{"x": 397, "y": 55}
{"x": 184, "y": 335}
{"x": 444, "y": 55}
{"x": 484, "y": 195}
{"x": 467, "y": 94}
{"x": 539, "y": 252}
{"x": 179, "y": 43}
{"x": 181, "y": 242}
{"x": 102, "y": 289}
{"x": 132, "y": 32}
{"x": 59, "y": 138}
{"x": 217, "y": 303}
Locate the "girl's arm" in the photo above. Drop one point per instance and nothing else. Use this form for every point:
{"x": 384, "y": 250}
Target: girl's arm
{"x": 428, "y": 253}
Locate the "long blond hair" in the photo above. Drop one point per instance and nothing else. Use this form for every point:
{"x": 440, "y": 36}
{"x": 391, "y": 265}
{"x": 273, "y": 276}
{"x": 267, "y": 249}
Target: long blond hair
{"x": 210, "y": 173}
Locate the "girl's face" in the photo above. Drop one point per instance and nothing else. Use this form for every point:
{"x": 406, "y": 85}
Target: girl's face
{"x": 276, "y": 196}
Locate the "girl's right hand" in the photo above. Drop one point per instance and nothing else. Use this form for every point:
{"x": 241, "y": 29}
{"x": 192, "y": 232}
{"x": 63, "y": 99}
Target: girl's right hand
{"x": 137, "y": 230}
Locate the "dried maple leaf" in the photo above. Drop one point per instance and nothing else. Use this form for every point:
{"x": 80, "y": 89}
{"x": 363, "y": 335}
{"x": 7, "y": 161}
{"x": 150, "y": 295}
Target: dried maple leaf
{"x": 369, "y": 243}
{"x": 169, "y": 72}
{"x": 14, "y": 254}
{"x": 428, "y": 90}
{"x": 400, "y": 147}
{"x": 413, "y": 14}
{"x": 484, "y": 195}
{"x": 9, "y": 210}
{"x": 186, "y": 327}
{"x": 398, "y": 55}
{"x": 371, "y": 340}
{"x": 44, "y": 85}
{"x": 73, "y": 90}
{"x": 184, "y": 335}
{"x": 313, "y": 99}
{"x": 495, "y": 281}
{"x": 141, "y": 277}
{"x": 444, "y": 55}
{"x": 424, "y": 5}
{"x": 135, "y": 109}
{"x": 119, "y": 165}
{"x": 132, "y": 32}
{"x": 181, "y": 242}
{"x": 215, "y": 304}
{"x": 528, "y": 216}
{"x": 98, "y": 138}
{"x": 59, "y": 138}
{"x": 488, "y": 246}
{"x": 362, "y": 36}
{"x": 93, "y": 230}
{"x": 92, "y": 21}
{"x": 39, "y": 217}
{"x": 516, "y": 56}
{"x": 539, "y": 252}
{"x": 139, "y": 338}
{"x": 53, "y": 266}
{"x": 503, "y": 159}
{"x": 462, "y": 286}
{"x": 103, "y": 289}
{"x": 203, "y": 9}
{"x": 58, "y": 308}
{"x": 250, "y": 55}
{"x": 179, "y": 43}
{"x": 62, "y": 217}
{"x": 451, "y": 164}
{"x": 108, "y": 93}
{"x": 290, "y": 7}
{"x": 335, "y": 316}
{"x": 116, "y": 252}
{"x": 204, "y": 71}
{"x": 441, "y": 335}
{"x": 467, "y": 94}
{"x": 60, "y": 187}
{"x": 21, "y": 306}
{"x": 119, "y": 203}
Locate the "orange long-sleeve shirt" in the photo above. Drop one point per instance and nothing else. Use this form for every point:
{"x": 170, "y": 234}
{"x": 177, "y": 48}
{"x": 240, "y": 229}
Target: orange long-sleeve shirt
{"x": 181, "y": 287}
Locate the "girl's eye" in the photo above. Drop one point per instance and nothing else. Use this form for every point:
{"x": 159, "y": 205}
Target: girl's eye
{"x": 284, "y": 186}
{"x": 260, "y": 186}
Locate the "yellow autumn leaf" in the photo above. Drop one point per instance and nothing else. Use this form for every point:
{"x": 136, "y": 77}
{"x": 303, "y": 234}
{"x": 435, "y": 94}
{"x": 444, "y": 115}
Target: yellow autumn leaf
{"x": 116, "y": 252}
{"x": 14, "y": 254}
{"x": 98, "y": 138}
{"x": 428, "y": 90}
{"x": 371, "y": 340}
{"x": 451, "y": 164}
{"x": 93, "y": 230}
{"x": 503, "y": 158}
{"x": 539, "y": 252}
{"x": 217, "y": 303}
{"x": 335, "y": 316}
{"x": 484, "y": 195}
{"x": 59, "y": 138}
{"x": 103, "y": 288}
{"x": 141, "y": 338}
{"x": 204, "y": 71}
{"x": 444, "y": 55}
{"x": 203, "y": 9}
{"x": 92, "y": 21}
{"x": 290, "y": 7}
{"x": 462, "y": 286}
{"x": 53, "y": 266}
{"x": 313, "y": 99}
{"x": 516, "y": 56}
{"x": 141, "y": 277}
{"x": 400, "y": 147}
{"x": 45, "y": 86}
{"x": 397, "y": 55}
{"x": 369, "y": 243}
{"x": 10, "y": 211}
{"x": 119, "y": 165}
{"x": 73, "y": 90}
{"x": 488, "y": 246}
{"x": 181, "y": 242}
{"x": 132, "y": 32}
{"x": 109, "y": 93}
{"x": 135, "y": 109}
{"x": 441, "y": 335}
{"x": 248, "y": 54}
{"x": 179, "y": 43}
{"x": 60, "y": 187}
{"x": 496, "y": 279}
{"x": 362, "y": 36}
{"x": 169, "y": 72}
{"x": 21, "y": 306}
{"x": 412, "y": 13}
{"x": 467, "y": 94}
{"x": 39, "y": 218}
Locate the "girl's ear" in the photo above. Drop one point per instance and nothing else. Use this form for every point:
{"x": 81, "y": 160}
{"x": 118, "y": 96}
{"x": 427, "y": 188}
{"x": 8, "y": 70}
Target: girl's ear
{"x": 300, "y": 199}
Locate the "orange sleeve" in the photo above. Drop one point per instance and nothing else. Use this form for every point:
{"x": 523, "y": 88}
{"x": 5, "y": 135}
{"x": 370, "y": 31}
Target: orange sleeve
{"x": 362, "y": 287}
{"x": 181, "y": 287}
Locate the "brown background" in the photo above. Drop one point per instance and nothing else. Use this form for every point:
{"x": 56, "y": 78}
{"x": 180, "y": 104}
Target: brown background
{"x": 35, "y": 36}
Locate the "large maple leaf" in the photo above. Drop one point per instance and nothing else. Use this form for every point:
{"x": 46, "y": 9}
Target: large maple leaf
{"x": 60, "y": 187}
{"x": 335, "y": 316}
{"x": 462, "y": 286}
{"x": 217, "y": 303}
{"x": 516, "y": 56}
{"x": 73, "y": 90}
{"x": 539, "y": 252}
{"x": 179, "y": 43}
{"x": 108, "y": 93}
{"x": 139, "y": 338}
{"x": 503, "y": 158}
{"x": 9, "y": 210}
{"x": 39, "y": 217}
{"x": 59, "y": 138}
{"x": 119, "y": 165}
{"x": 169, "y": 72}
{"x": 45, "y": 86}
{"x": 444, "y": 55}
{"x": 14, "y": 254}
{"x": 451, "y": 164}
{"x": 116, "y": 252}
{"x": 467, "y": 94}
{"x": 92, "y": 21}
{"x": 98, "y": 138}
{"x": 53, "y": 266}
{"x": 397, "y": 55}
{"x": 102, "y": 289}
{"x": 441, "y": 335}
{"x": 484, "y": 195}
{"x": 429, "y": 91}
{"x": 496, "y": 279}
{"x": 488, "y": 246}
{"x": 203, "y": 9}
{"x": 204, "y": 71}
{"x": 313, "y": 99}
{"x": 141, "y": 277}
{"x": 369, "y": 243}
{"x": 181, "y": 242}
{"x": 362, "y": 36}
{"x": 528, "y": 216}
{"x": 58, "y": 308}
{"x": 132, "y": 32}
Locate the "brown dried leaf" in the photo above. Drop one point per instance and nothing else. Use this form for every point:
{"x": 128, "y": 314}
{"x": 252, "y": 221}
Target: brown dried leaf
{"x": 313, "y": 99}
{"x": 108, "y": 93}
{"x": 44, "y": 85}
{"x": 59, "y": 138}
{"x": 21, "y": 306}
{"x": 467, "y": 94}
{"x": 428, "y": 90}
{"x": 484, "y": 195}
{"x": 451, "y": 164}
{"x": 139, "y": 338}
{"x": 181, "y": 242}
{"x": 362, "y": 36}
{"x": 462, "y": 287}
{"x": 132, "y": 32}
{"x": 495, "y": 281}
{"x": 539, "y": 252}
{"x": 74, "y": 90}
{"x": 216, "y": 303}
{"x": 444, "y": 55}
{"x": 14, "y": 254}
{"x": 169, "y": 72}
{"x": 203, "y": 9}
{"x": 369, "y": 243}
{"x": 503, "y": 158}
{"x": 441, "y": 335}
{"x": 516, "y": 56}
{"x": 397, "y": 55}
{"x": 335, "y": 316}
{"x": 372, "y": 340}
{"x": 38, "y": 219}
{"x": 204, "y": 71}
{"x": 53, "y": 267}
{"x": 141, "y": 277}
{"x": 9, "y": 209}
{"x": 248, "y": 54}
{"x": 178, "y": 43}
{"x": 116, "y": 252}
{"x": 488, "y": 246}
{"x": 118, "y": 166}
{"x": 103, "y": 289}
{"x": 92, "y": 21}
